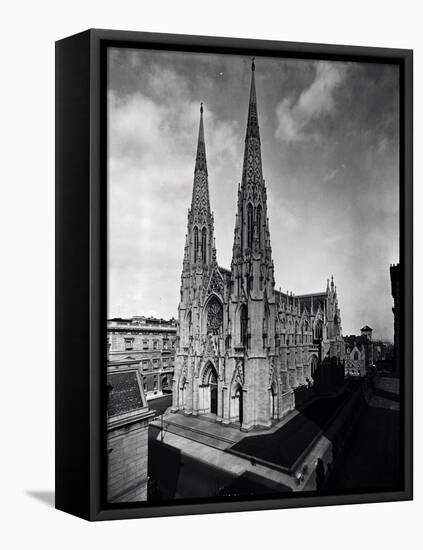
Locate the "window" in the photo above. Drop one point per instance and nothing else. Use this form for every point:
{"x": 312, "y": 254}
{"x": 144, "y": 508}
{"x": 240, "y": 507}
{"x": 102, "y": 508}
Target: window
{"x": 259, "y": 223}
{"x": 129, "y": 344}
{"x": 155, "y": 363}
{"x": 195, "y": 243}
{"x": 155, "y": 344}
{"x": 165, "y": 344}
{"x": 214, "y": 316}
{"x": 204, "y": 245}
{"x": 242, "y": 229}
{"x": 145, "y": 365}
{"x": 318, "y": 331}
{"x": 250, "y": 282}
{"x": 356, "y": 356}
{"x": 145, "y": 344}
{"x": 250, "y": 225}
{"x": 243, "y": 325}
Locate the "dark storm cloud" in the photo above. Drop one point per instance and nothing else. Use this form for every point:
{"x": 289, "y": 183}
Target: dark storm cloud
{"x": 330, "y": 153}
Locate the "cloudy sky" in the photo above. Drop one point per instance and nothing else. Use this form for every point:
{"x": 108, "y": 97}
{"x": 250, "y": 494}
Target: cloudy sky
{"x": 329, "y": 133}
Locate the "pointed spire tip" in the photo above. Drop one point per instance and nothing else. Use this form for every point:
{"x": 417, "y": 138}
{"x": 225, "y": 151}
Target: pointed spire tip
{"x": 253, "y": 64}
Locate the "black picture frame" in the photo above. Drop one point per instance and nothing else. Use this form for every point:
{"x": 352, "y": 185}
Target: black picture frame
{"x": 81, "y": 266}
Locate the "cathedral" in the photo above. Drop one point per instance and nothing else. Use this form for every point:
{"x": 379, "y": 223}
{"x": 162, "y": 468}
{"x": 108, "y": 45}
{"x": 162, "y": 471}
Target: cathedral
{"x": 244, "y": 348}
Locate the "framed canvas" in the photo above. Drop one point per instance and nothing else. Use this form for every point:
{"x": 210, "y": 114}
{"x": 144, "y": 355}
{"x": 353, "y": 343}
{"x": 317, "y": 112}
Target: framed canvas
{"x": 233, "y": 274}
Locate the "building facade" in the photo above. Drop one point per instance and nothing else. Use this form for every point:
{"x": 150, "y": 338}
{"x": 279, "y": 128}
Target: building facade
{"x": 364, "y": 353}
{"x": 355, "y": 360}
{"x": 147, "y": 343}
{"x": 128, "y": 417}
{"x": 396, "y": 310}
{"x": 243, "y": 347}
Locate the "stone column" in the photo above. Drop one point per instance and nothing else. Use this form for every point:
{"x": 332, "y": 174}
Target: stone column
{"x": 195, "y": 396}
{"x": 226, "y": 397}
{"x": 189, "y": 394}
{"x": 220, "y": 385}
{"x": 247, "y": 413}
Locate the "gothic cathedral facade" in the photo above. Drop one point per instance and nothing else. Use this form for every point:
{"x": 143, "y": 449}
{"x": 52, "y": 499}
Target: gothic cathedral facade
{"x": 243, "y": 347}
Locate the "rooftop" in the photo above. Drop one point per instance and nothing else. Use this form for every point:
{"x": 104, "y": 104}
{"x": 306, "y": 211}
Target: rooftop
{"x": 141, "y": 321}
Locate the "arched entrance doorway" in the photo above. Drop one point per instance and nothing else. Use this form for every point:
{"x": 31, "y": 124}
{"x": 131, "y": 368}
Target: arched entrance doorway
{"x": 209, "y": 390}
{"x": 213, "y": 392}
{"x": 237, "y": 405}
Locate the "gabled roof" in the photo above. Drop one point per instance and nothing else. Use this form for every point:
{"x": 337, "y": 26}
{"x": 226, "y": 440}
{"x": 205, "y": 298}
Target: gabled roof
{"x": 312, "y": 301}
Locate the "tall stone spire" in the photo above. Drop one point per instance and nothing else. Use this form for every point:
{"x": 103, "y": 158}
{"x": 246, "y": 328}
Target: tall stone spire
{"x": 252, "y": 200}
{"x": 200, "y": 218}
{"x": 200, "y": 204}
{"x": 252, "y": 172}
{"x": 252, "y": 122}
{"x": 252, "y": 253}
{"x": 201, "y": 161}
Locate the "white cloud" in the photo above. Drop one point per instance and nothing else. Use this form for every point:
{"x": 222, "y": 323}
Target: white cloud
{"x": 332, "y": 205}
{"x": 152, "y": 144}
{"x": 314, "y": 102}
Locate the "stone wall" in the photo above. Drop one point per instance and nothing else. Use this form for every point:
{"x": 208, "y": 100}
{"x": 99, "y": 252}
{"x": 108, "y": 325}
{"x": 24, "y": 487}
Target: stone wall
{"x": 127, "y": 449}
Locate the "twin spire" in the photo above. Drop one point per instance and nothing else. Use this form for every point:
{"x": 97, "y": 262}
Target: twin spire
{"x": 200, "y": 211}
{"x": 252, "y": 124}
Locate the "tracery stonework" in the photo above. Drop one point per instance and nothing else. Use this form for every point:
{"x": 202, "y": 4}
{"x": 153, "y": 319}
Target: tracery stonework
{"x": 216, "y": 284}
{"x": 200, "y": 199}
{"x": 245, "y": 348}
{"x": 214, "y": 317}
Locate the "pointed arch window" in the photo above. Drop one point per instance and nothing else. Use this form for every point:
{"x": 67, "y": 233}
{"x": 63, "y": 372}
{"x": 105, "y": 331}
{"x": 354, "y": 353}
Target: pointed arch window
{"x": 259, "y": 224}
{"x": 203, "y": 245}
{"x": 249, "y": 225}
{"x": 214, "y": 316}
{"x": 318, "y": 330}
{"x": 195, "y": 243}
{"x": 188, "y": 330}
{"x": 243, "y": 325}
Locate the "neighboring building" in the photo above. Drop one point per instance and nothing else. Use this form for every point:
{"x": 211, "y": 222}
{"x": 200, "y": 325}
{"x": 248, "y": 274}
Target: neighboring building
{"x": 244, "y": 347}
{"x": 127, "y": 435}
{"x": 363, "y": 353}
{"x": 396, "y": 295}
{"x": 367, "y": 332}
{"x": 355, "y": 360}
{"x": 147, "y": 343}
{"x": 363, "y": 345}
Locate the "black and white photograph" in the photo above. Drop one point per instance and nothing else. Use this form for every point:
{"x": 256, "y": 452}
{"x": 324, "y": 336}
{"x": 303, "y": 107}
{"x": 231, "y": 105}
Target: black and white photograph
{"x": 212, "y": 256}
{"x": 253, "y": 277}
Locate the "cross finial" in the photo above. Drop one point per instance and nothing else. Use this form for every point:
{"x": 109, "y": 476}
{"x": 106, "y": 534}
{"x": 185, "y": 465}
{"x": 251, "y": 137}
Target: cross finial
{"x": 201, "y": 107}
